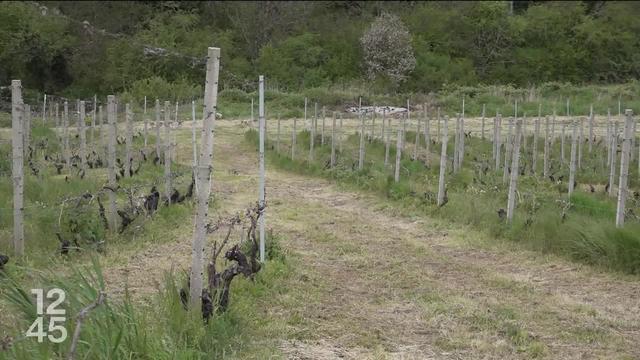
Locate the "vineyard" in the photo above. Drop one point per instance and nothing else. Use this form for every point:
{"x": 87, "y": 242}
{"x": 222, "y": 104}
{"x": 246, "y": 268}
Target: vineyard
{"x": 333, "y": 180}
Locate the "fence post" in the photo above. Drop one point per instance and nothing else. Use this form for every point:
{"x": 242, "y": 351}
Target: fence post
{"x": 534, "y": 150}
{"x": 57, "y": 117}
{"x": 65, "y": 136}
{"x": 26, "y": 127}
{"x": 146, "y": 122}
{"x": 580, "y": 141}
{"x": 624, "y": 167}
{"x": 293, "y": 139}
{"x": 158, "y": 138}
{"x": 322, "y": 128}
{"x": 204, "y": 178}
{"x": 613, "y": 148}
{"x": 315, "y": 118}
{"x": 278, "y": 136}
{"x": 438, "y": 122}
{"x": 362, "y": 129}
{"x": 93, "y": 121}
{"x": 608, "y": 142}
{"x": 572, "y": 165}
{"x": 17, "y": 169}
{"x": 312, "y": 136}
{"x": 461, "y": 142}
{"x": 111, "y": 160}
{"x": 443, "y": 163}
{"x": 590, "y": 128}
{"x": 261, "y": 124}
{"x": 306, "y": 125}
{"x": 83, "y": 139}
{"x": 167, "y": 151}
{"x": 508, "y": 152}
{"x": 340, "y": 134}
{"x": 456, "y": 146}
{"x": 333, "y": 139}
{"x": 515, "y": 163}
{"x": 427, "y": 136}
{"x": 498, "y": 139}
{"x": 396, "y": 176}
{"x": 102, "y": 144}
{"x": 545, "y": 165}
{"x": 44, "y": 109}
{"x": 128, "y": 140}
{"x": 564, "y": 126}
{"x": 416, "y": 143}
{"x": 252, "y": 120}
{"x": 373, "y": 123}
{"x": 483, "y": 109}
{"x": 387, "y": 138}
{"x": 194, "y": 142}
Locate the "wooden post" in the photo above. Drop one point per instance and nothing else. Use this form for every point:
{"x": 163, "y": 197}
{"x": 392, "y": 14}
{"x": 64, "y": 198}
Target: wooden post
{"x": 261, "y": 125}
{"x": 590, "y": 128}
{"x": 65, "y": 136}
{"x": 322, "y": 128}
{"x": 252, "y": 120}
{"x": 508, "y": 152}
{"x": 111, "y": 160}
{"x": 427, "y": 137}
{"x": 146, "y": 122}
{"x": 293, "y": 140}
{"x": 168, "y": 188}
{"x": 461, "y": 142}
{"x": 624, "y": 167}
{"x": 278, "y": 136}
{"x": 438, "y": 122}
{"x": 93, "y": 120}
{"x": 17, "y": 168}
{"x": 572, "y": 165}
{"x": 564, "y": 125}
{"x": 515, "y": 163}
{"x": 608, "y": 138}
{"x": 340, "y": 134}
{"x": 416, "y": 144}
{"x": 204, "y": 179}
{"x": 443, "y": 163}
{"x": 396, "y": 175}
{"x": 102, "y": 144}
{"x": 312, "y": 137}
{"x": 387, "y": 141}
{"x": 612, "y": 165}
{"x": 362, "y": 129}
{"x": 493, "y": 138}
{"x": 456, "y": 146}
{"x": 57, "y": 117}
{"x": 580, "y": 141}
{"x": 306, "y": 125}
{"x": 498, "y": 139}
{"x": 333, "y": 139}
{"x": 128, "y": 140}
{"x": 26, "y": 127}
{"x": 384, "y": 118}
{"x": 83, "y": 139}
{"x": 534, "y": 150}
{"x": 158, "y": 138}
{"x": 373, "y": 123}
{"x": 315, "y": 118}
{"x": 174, "y": 142}
{"x": 44, "y": 109}
{"x": 545, "y": 161}
{"x": 483, "y": 109}
{"x": 194, "y": 143}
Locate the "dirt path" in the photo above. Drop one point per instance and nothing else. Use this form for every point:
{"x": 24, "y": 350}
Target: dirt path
{"x": 373, "y": 283}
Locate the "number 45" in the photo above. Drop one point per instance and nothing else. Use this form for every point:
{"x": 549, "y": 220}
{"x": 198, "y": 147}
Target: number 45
{"x": 37, "y": 328}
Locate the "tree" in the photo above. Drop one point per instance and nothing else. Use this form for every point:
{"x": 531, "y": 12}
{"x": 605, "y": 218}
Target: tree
{"x": 387, "y": 49}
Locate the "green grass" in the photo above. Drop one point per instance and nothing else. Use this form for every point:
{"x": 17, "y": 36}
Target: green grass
{"x": 585, "y": 233}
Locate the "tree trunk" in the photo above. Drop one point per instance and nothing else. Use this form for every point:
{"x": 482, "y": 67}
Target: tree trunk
{"x": 204, "y": 178}
{"x": 17, "y": 169}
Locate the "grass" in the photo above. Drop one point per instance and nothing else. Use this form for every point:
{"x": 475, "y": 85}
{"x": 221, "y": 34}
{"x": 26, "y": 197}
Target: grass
{"x": 585, "y": 233}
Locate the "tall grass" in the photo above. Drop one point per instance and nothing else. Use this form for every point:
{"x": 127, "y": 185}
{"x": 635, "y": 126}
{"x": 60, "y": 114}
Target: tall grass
{"x": 581, "y": 228}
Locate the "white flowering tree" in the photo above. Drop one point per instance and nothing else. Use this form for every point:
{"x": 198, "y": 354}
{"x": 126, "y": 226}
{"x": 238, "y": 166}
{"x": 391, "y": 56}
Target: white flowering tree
{"x": 387, "y": 49}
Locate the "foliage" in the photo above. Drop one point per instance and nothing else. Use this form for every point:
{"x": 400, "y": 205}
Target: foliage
{"x": 305, "y": 45}
{"x": 387, "y": 49}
